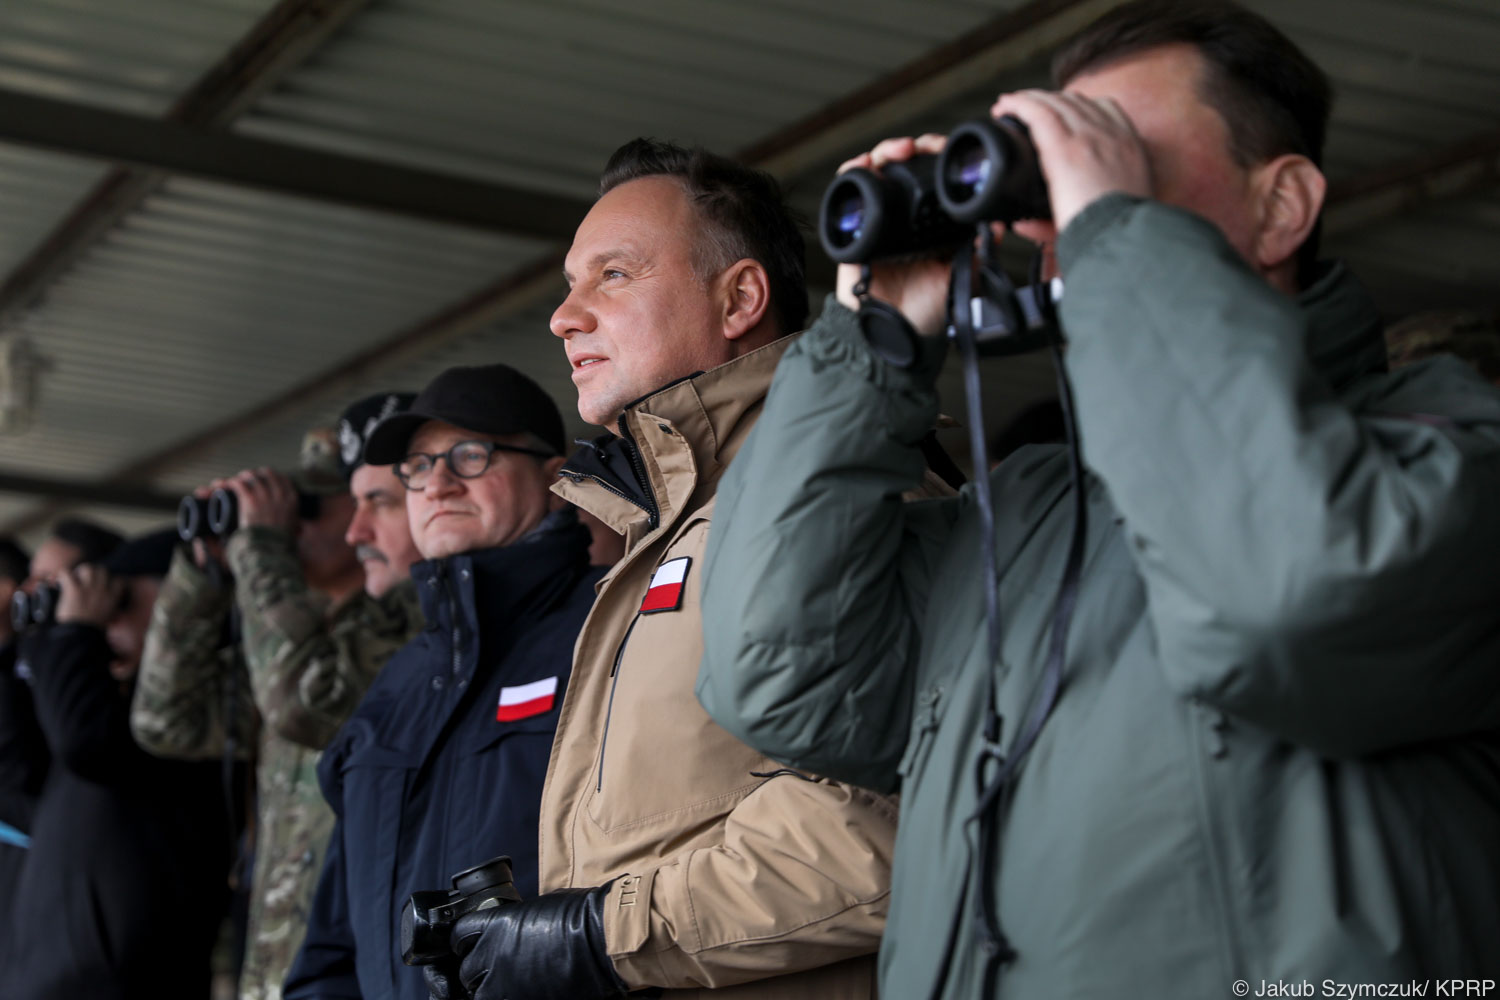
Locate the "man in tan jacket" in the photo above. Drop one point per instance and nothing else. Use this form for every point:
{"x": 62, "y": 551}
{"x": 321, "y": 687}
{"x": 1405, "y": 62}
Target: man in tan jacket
{"x": 672, "y": 855}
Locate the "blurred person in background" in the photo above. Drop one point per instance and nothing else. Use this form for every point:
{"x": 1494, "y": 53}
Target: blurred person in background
{"x": 24, "y": 756}
{"x": 23, "y": 751}
{"x": 70, "y": 541}
{"x": 123, "y": 886}
{"x": 202, "y": 697}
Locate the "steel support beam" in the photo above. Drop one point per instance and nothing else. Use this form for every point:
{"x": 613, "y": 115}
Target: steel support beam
{"x": 108, "y": 495}
{"x": 173, "y": 148}
{"x": 1448, "y": 172}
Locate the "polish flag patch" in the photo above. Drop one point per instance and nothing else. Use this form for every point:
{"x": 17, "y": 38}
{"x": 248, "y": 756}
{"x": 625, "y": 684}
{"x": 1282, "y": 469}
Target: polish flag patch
{"x": 665, "y": 592}
{"x": 526, "y": 700}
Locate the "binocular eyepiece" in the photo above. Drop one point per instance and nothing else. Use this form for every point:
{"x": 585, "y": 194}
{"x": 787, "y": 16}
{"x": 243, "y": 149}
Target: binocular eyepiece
{"x": 39, "y": 608}
{"x": 427, "y": 919}
{"x": 219, "y": 515}
{"x": 987, "y": 172}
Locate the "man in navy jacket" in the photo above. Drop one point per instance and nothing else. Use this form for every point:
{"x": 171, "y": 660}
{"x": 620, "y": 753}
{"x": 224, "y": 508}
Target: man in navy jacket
{"x": 441, "y": 766}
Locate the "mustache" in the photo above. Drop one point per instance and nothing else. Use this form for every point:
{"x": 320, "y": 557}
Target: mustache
{"x": 366, "y": 552}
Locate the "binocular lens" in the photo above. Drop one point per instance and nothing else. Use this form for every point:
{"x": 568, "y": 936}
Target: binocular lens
{"x": 967, "y": 170}
{"x": 849, "y": 219}
{"x": 989, "y": 173}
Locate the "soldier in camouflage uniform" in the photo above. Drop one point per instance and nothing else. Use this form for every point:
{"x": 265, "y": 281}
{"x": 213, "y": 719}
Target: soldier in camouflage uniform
{"x": 312, "y": 640}
{"x": 1471, "y": 334}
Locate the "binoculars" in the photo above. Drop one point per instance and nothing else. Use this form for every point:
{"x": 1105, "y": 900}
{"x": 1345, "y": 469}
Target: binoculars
{"x": 219, "y": 515}
{"x": 27, "y": 610}
{"x": 987, "y": 172}
{"x": 427, "y": 919}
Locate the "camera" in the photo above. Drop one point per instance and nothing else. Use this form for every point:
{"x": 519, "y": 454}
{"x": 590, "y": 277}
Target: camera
{"x": 427, "y": 919}
{"x": 39, "y": 608}
{"x": 219, "y": 515}
{"x": 987, "y": 172}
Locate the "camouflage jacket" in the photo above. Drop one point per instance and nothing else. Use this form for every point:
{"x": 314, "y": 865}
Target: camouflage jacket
{"x": 301, "y": 668}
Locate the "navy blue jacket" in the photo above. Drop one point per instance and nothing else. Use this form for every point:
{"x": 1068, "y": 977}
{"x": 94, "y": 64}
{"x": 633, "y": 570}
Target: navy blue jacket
{"x": 425, "y": 780}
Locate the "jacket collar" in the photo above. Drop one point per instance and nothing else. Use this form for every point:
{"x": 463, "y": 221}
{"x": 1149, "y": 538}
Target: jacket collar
{"x": 1344, "y": 332}
{"x": 498, "y": 583}
{"x": 672, "y": 445}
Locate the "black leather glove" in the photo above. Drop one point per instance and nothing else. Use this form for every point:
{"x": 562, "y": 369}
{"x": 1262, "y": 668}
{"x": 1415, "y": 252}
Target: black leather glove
{"x": 548, "y": 948}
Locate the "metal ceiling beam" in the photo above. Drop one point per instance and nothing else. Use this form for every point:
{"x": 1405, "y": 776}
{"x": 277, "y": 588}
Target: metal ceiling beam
{"x": 216, "y": 155}
{"x": 276, "y": 44}
{"x": 1448, "y": 172}
{"x": 73, "y": 492}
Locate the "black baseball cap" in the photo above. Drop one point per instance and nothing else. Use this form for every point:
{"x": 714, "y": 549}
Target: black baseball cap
{"x": 486, "y": 399}
{"x": 356, "y": 423}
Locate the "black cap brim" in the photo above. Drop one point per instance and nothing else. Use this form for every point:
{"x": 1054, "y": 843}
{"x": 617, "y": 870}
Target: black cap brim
{"x": 388, "y": 442}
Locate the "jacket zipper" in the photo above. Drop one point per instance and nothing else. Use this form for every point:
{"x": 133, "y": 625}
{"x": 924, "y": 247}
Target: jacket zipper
{"x": 609, "y": 711}
{"x": 1206, "y": 746}
{"x": 639, "y": 468}
{"x": 453, "y": 606}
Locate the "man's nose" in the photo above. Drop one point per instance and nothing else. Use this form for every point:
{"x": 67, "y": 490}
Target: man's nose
{"x": 571, "y": 317}
{"x": 442, "y": 481}
{"x": 359, "y": 529}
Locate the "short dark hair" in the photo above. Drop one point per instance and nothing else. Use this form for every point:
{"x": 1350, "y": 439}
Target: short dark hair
{"x": 93, "y": 541}
{"x": 1274, "y": 99}
{"x": 15, "y": 562}
{"x": 744, "y": 212}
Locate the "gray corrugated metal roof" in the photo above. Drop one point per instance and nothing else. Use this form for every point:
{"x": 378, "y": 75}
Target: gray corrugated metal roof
{"x": 132, "y": 56}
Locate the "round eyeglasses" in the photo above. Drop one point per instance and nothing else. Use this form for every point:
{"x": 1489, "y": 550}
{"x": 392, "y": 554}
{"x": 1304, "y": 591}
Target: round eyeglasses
{"x": 466, "y": 460}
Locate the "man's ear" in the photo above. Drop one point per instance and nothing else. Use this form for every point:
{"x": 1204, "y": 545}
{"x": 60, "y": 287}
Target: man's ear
{"x": 1292, "y": 191}
{"x": 746, "y": 297}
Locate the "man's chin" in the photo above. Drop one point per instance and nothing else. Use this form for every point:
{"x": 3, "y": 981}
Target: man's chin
{"x": 442, "y": 544}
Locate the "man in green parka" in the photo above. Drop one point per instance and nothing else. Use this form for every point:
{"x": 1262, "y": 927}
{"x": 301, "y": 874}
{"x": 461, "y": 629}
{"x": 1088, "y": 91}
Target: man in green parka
{"x": 1273, "y": 765}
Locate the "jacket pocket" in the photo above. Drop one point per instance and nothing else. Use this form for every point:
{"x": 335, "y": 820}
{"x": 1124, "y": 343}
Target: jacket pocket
{"x": 495, "y": 803}
{"x": 663, "y": 761}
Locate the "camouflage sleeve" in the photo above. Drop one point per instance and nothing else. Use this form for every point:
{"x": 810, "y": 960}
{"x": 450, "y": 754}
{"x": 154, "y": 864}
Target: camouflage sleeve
{"x": 182, "y": 693}
{"x": 310, "y": 666}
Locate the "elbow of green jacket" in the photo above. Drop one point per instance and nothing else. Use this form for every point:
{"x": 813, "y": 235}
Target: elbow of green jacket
{"x": 802, "y": 728}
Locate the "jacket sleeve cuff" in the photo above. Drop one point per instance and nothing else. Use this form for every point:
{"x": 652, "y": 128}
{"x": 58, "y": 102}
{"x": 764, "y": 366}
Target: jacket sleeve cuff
{"x": 627, "y": 925}
{"x": 246, "y": 542}
{"x": 1088, "y": 226}
{"x": 837, "y": 335}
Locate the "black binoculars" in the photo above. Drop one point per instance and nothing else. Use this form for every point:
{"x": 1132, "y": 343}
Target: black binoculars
{"x": 987, "y": 172}
{"x": 428, "y": 917}
{"x": 219, "y": 515}
{"x": 39, "y": 608}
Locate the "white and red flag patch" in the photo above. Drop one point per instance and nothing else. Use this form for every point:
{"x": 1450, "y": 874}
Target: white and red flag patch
{"x": 665, "y": 592}
{"x": 526, "y": 700}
